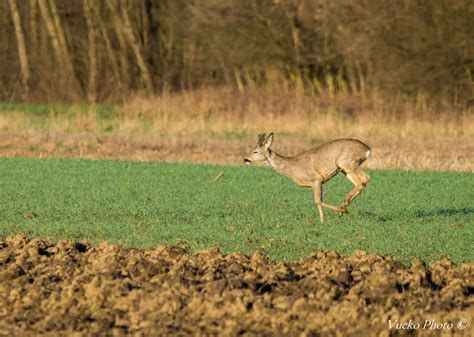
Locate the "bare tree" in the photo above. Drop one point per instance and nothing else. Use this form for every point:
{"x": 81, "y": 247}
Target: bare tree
{"x": 22, "y": 54}
{"x": 110, "y": 52}
{"x": 51, "y": 18}
{"x": 116, "y": 47}
{"x": 33, "y": 28}
{"x": 92, "y": 50}
{"x": 125, "y": 28}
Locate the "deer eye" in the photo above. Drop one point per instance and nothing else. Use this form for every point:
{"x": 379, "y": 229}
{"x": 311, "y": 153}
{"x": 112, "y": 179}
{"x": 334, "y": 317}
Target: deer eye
{"x": 255, "y": 151}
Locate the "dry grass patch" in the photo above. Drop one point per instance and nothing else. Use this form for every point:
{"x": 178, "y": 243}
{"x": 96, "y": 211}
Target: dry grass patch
{"x": 226, "y": 111}
{"x": 218, "y": 125}
{"x": 449, "y": 155}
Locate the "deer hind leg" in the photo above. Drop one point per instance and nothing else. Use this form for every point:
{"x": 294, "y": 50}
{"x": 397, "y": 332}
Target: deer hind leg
{"x": 318, "y": 198}
{"x": 360, "y": 179}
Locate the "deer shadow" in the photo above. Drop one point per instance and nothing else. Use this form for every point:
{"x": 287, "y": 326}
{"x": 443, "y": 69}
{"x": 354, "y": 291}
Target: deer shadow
{"x": 444, "y": 212}
{"x": 420, "y": 213}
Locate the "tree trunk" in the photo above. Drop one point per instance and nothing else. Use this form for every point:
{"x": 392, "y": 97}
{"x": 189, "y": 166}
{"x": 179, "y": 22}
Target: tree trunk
{"x": 110, "y": 51}
{"x": 69, "y": 63}
{"x": 125, "y": 27}
{"x": 25, "y": 66}
{"x": 50, "y": 15}
{"x": 137, "y": 50}
{"x": 43, "y": 6}
{"x": 60, "y": 34}
{"x": 33, "y": 15}
{"x": 124, "y": 66}
{"x": 145, "y": 24}
{"x": 91, "y": 51}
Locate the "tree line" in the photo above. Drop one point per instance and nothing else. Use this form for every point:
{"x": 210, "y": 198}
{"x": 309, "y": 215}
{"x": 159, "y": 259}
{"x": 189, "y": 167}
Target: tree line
{"x": 98, "y": 51}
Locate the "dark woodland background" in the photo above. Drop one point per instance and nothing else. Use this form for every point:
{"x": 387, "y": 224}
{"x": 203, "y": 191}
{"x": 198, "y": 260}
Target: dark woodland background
{"x": 106, "y": 51}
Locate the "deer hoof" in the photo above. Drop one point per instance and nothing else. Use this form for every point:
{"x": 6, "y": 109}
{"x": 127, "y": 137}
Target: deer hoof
{"x": 342, "y": 210}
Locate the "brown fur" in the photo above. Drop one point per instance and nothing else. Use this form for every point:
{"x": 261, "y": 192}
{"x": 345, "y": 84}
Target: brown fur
{"x": 315, "y": 166}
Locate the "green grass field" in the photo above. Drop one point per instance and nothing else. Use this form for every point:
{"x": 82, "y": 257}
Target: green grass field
{"x": 143, "y": 204}
{"x": 43, "y": 110}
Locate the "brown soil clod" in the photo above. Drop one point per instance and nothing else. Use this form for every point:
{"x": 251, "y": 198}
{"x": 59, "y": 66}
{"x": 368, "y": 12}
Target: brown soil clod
{"x": 83, "y": 289}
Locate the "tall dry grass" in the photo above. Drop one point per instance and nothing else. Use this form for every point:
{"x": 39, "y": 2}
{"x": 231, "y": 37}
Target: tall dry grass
{"x": 219, "y": 125}
{"x": 224, "y": 111}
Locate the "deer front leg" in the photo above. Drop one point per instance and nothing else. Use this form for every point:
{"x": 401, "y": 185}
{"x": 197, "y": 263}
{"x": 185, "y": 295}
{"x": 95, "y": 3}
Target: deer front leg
{"x": 318, "y": 195}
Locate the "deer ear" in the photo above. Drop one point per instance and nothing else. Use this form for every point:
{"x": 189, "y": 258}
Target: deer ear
{"x": 261, "y": 138}
{"x": 269, "y": 140}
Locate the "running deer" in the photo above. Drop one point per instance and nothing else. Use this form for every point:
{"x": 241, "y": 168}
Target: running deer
{"x": 313, "y": 167}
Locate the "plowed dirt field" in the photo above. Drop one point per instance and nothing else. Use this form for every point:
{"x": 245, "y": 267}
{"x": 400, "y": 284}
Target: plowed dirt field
{"x": 82, "y": 289}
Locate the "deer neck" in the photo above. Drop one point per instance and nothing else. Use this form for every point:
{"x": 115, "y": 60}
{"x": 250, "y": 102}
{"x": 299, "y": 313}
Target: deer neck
{"x": 279, "y": 163}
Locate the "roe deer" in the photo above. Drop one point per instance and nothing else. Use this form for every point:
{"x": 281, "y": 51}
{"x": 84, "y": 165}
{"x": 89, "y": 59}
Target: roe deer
{"x": 313, "y": 167}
